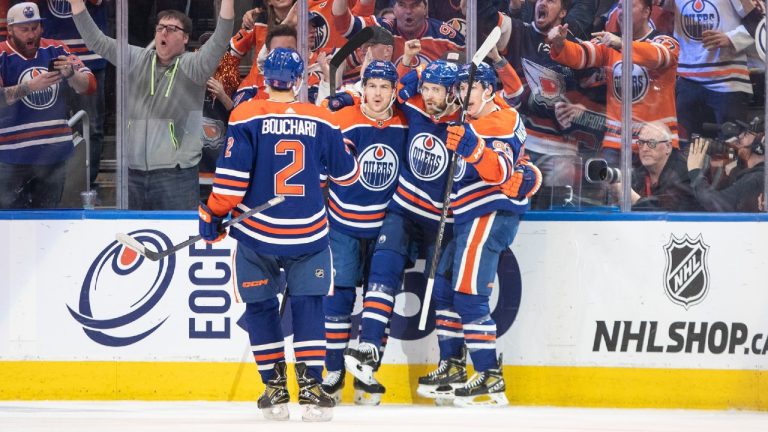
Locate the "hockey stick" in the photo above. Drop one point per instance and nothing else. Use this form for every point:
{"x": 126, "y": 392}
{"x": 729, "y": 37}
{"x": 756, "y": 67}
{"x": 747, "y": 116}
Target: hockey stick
{"x": 136, "y": 245}
{"x": 480, "y": 54}
{"x": 352, "y": 44}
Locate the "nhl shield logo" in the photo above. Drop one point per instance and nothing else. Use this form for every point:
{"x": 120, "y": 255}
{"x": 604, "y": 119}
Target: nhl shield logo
{"x": 686, "y": 277}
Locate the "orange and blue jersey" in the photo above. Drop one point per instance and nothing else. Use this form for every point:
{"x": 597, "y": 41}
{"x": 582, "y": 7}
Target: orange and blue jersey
{"x": 436, "y": 37}
{"x": 280, "y": 148}
{"x": 34, "y": 130}
{"x": 474, "y": 194}
{"x": 358, "y": 210}
{"x": 654, "y": 72}
{"x": 423, "y": 174}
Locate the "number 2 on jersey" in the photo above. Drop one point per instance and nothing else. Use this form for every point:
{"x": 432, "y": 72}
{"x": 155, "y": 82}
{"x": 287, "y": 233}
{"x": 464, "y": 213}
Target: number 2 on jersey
{"x": 296, "y": 148}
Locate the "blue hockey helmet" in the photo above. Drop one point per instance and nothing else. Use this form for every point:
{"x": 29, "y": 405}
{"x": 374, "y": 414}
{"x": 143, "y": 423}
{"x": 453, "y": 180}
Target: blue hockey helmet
{"x": 381, "y": 69}
{"x": 440, "y": 72}
{"x": 282, "y": 68}
{"x": 485, "y": 75}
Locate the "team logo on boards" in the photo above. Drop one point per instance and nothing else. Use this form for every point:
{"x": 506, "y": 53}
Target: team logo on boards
{"x": 696, "y": 16}
{"x": 60, "y": 8}
{"x": 428, "y": 157}
{"x": 640, "y": 82}
{"x": 378, "y": 165}
{"x": 40, "y": 99}
{"x": 686, "y": 277}
{"x": 115, "y": 306}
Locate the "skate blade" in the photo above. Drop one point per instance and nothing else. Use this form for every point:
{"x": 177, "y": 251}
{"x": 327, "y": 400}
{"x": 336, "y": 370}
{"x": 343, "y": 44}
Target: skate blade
{"x": 444, "y": 401}
{"x": 490, "y": 400}
{"x": 367, "y": 399}
{"x": 314, "y": 413}
{"x": 358, "y": 370}
{"x": 276, "y": 413}
{"x": 436, "y": 392}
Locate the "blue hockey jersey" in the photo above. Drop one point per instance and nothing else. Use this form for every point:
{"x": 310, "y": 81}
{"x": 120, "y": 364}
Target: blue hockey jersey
{"x": 279, "y": 148}
{"x": 423, "y": 175}
{"x": 358, "y": 210}
{"x": 59, "y": 25}
{"x": 34, "y": 130}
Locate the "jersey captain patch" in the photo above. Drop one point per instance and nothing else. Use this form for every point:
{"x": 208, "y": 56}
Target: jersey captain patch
{"x": 378, "y": 167}
{"x": 428, "y": 157}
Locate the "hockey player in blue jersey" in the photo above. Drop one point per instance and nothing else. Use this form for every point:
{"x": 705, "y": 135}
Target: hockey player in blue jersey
{"x": 413, "y": 214}
{"x": 491, "y": 191}
{"x": 276, "y": 147}
{"x": 378, "y": 132}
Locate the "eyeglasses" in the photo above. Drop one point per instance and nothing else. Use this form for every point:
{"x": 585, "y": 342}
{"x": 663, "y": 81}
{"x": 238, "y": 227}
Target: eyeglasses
{"x": 650, "y": 143}
{"x": 170, "y": 28}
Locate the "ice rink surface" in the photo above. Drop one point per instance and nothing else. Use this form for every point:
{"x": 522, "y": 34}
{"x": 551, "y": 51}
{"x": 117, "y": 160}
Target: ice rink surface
{"x": 25, "y": 416}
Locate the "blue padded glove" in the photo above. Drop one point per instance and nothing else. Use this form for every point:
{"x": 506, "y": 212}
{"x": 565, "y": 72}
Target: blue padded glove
{"x": 340, "y": 101}
{"x": 462, "y": 140}
{"x": 409, "y": 86}
{"x": 210, "y": 225}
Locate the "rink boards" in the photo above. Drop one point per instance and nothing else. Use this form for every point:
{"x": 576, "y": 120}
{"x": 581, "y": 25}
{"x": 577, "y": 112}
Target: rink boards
{"x": 592, "y": 310}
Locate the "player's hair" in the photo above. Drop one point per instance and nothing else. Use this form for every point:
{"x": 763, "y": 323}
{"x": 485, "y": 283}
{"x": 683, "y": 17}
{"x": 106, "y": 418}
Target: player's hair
{"x": 565, "y": 4}
{"x": 280, "y": 30}
{"x": 186, "y": 22}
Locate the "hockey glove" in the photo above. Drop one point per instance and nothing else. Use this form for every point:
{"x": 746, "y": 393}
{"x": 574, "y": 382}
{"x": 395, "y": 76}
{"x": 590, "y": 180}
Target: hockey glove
{"x": 409, "y": 86}
{"x": 525, "y": 181}
{"x": 462, "y": 140}
{"x": 210, "y": 225}
{"x": 341, "y": 100}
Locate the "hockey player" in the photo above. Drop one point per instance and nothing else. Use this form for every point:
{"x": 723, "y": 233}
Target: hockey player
{"x": 276, "y": 147}
{"x": 413, "y": 214}
{"x": 491, "y": 191}
{"x": 379, "y": 133}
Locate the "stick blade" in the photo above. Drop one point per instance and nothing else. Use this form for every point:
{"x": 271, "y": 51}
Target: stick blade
{"x": 487, "y": 46}
{"x": 131, "y": 243}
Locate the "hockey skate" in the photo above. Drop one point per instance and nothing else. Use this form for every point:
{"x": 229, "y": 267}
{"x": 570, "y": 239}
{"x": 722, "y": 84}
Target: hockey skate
{"x": 333, "y": 384}
{"x": 274, "y": 402}
{"x": 362, "y": 362}
{"x": 317, "y": 404}
{"x": 441, "y": 382}
{"x": 368, "y": 394}
{"x": 483, "y": 389}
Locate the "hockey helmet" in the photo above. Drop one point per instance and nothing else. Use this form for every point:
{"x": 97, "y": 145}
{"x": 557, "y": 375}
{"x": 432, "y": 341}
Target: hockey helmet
{"x": 282, "y": 68}
{"x": 380, "y": 69}
{"x": 484, "y": 74}
{"x": 440, "y": 72}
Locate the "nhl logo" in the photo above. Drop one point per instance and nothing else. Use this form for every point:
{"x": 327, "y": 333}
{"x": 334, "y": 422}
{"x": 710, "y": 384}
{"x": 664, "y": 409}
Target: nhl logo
{"x": 686, "y": 277}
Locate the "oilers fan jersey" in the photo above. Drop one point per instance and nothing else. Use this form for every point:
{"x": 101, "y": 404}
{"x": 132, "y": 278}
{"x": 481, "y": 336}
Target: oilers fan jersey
{"x": 280, "y": 148}
{"x": 358, "y": 210}
{"x": 423, "y": 175}
{"x": 471, "y": 196}
{"x": 34, "y": 130}
{"x": 59, "y": 25}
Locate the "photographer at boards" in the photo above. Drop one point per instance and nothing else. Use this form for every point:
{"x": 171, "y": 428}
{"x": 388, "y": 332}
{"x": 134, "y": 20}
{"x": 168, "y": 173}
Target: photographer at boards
{"x": 660, "y": 182}
{"x": 745, "y": 182}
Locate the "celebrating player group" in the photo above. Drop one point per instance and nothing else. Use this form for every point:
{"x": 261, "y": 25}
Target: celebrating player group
{"x": 365, "y": 190}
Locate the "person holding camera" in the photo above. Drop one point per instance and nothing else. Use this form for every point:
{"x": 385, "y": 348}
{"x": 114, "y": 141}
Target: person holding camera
{"x": 661, "y": 181}
{"x": 35, "y": 141}
{"x": 742, "y": 191}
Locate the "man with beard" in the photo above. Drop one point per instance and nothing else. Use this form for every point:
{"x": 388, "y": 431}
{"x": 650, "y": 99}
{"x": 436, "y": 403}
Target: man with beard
{"x": 553, "y": 148}
{"x": 168, "y": 86}
{"x": 36, "y": 141}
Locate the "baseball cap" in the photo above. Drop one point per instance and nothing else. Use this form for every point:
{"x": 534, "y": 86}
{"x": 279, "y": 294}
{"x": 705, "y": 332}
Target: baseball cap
{"x": 23, "y": 13}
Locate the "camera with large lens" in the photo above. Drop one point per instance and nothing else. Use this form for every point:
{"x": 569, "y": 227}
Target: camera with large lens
{"x": 719, "y": 136}
{"x": 597, "y": 171}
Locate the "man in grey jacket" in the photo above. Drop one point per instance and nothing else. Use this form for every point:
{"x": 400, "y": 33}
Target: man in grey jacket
{"x": 167, "y": 88}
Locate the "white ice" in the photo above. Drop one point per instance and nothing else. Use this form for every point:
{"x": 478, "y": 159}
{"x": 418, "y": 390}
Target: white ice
{"x": 226, "y": 416}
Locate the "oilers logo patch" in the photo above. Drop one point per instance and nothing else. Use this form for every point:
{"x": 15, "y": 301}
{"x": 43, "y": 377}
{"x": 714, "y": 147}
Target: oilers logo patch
{"x": 696, "y": 16}
{"x": 760, "y": 41}
{"x": 641, "y": 81}
{"x": 461, "y": 168}
{"x": 60, "y": 8}
{"x": 427, "y": 157}
{"x": 40, "y": 99}
{"x": 378, "y": 167}
{"x": 686, "y": 277}
{"x": 320, "y": 30}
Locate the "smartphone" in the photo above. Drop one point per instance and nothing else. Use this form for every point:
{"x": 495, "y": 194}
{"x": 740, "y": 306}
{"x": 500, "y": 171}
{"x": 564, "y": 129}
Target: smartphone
{"x": 51, "y": 65}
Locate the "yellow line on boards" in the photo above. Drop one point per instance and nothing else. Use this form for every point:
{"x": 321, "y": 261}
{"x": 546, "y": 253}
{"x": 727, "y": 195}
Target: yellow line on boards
{"x": 526, "y": 385}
